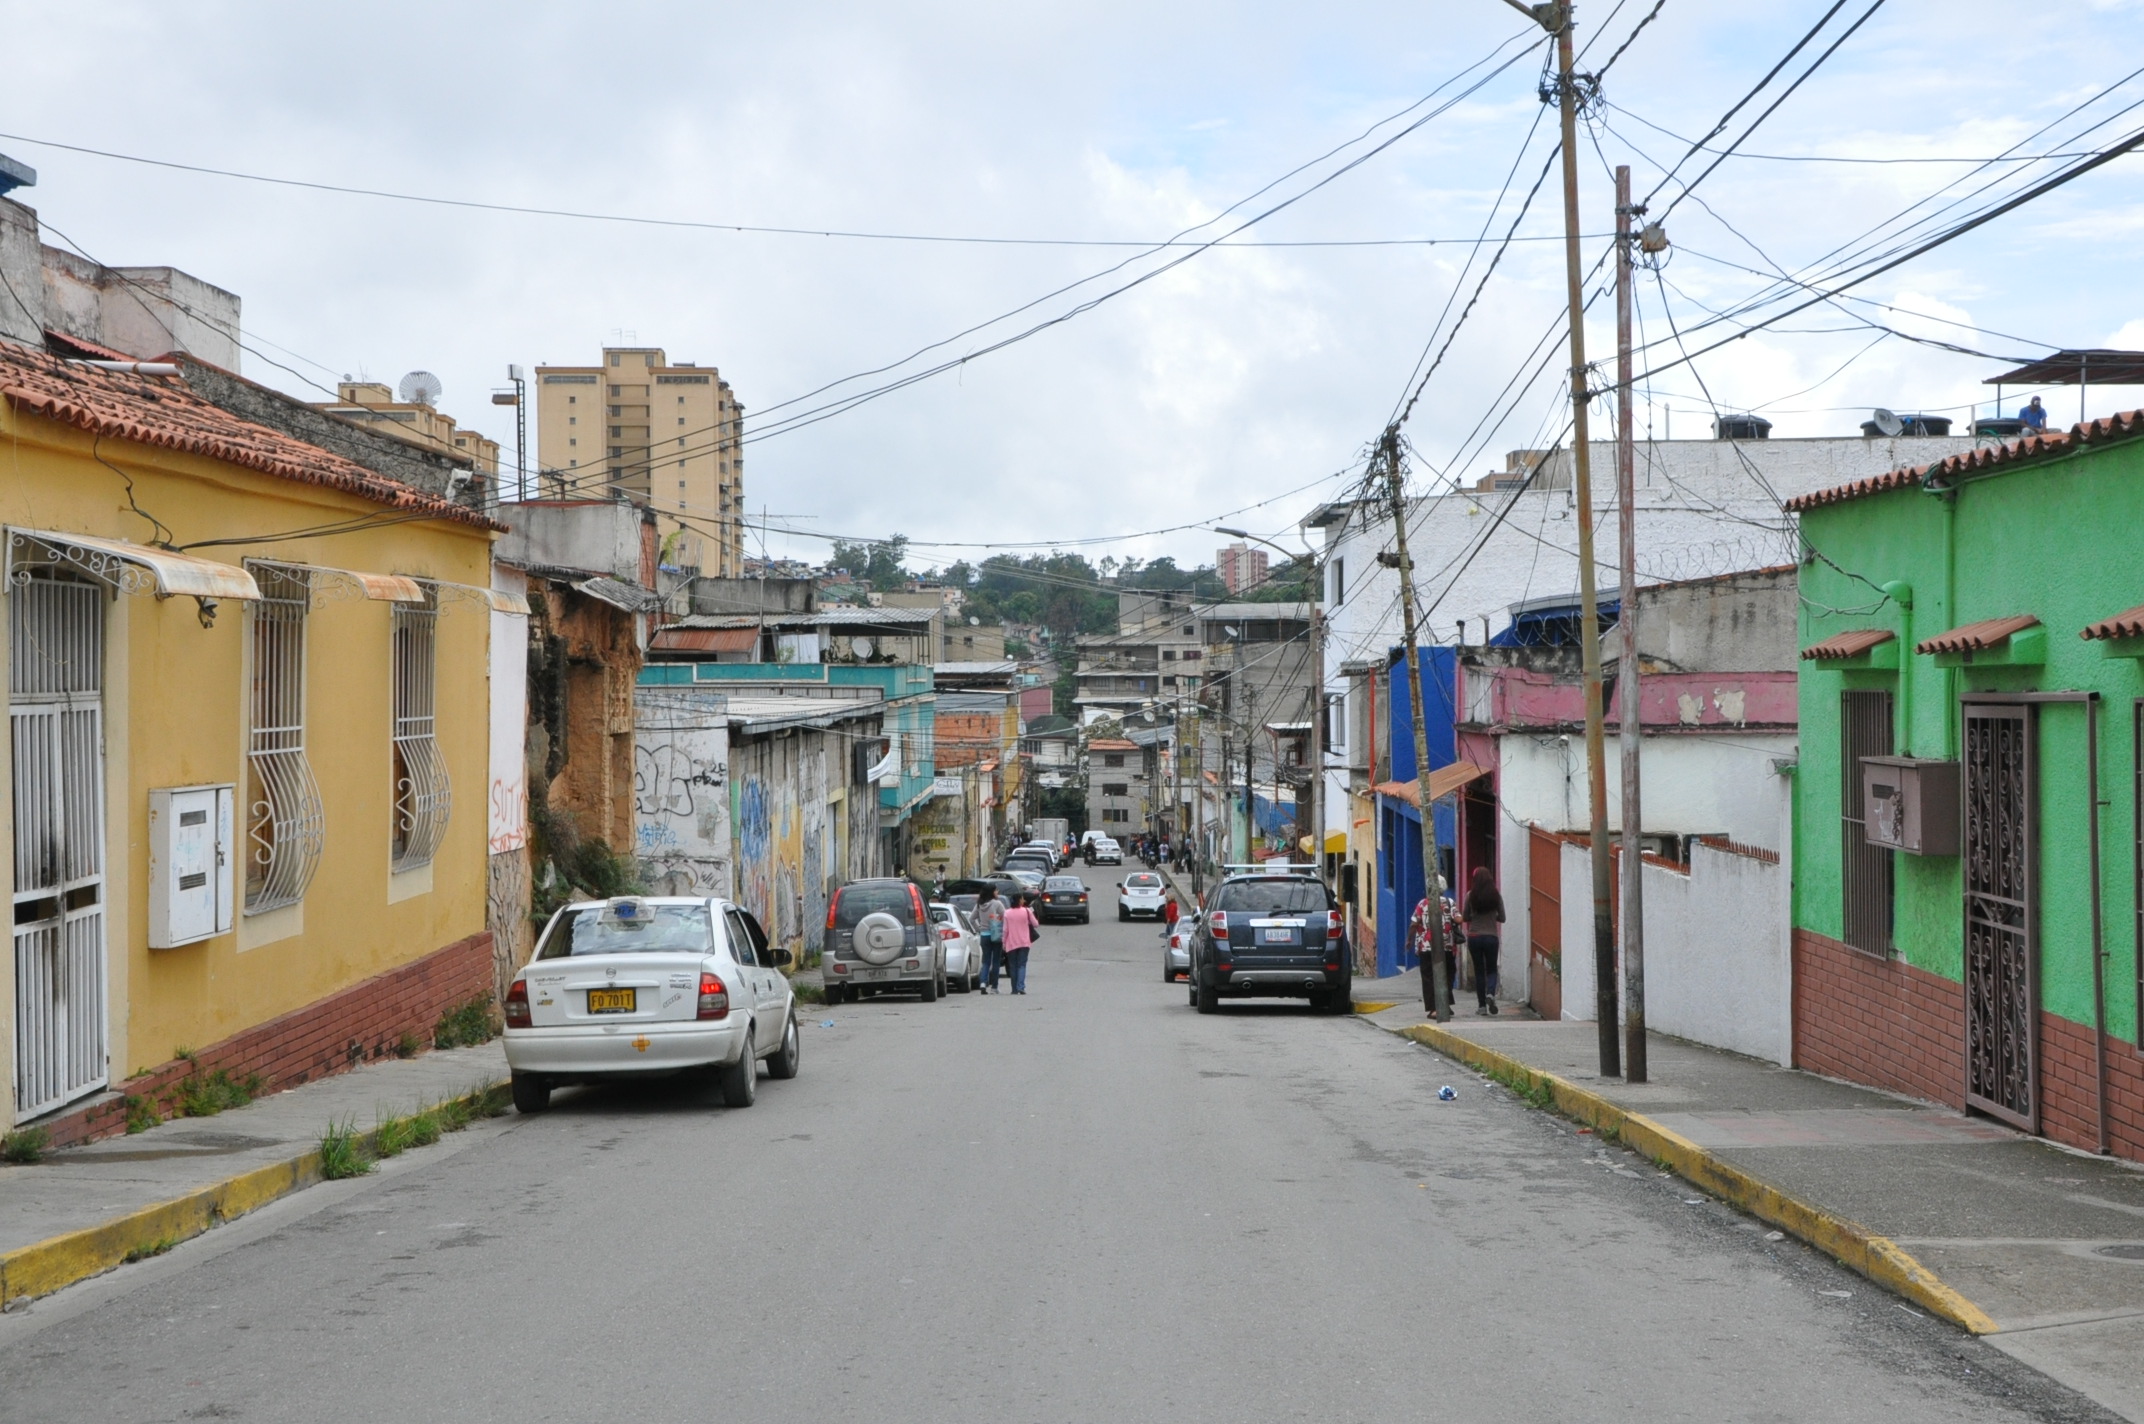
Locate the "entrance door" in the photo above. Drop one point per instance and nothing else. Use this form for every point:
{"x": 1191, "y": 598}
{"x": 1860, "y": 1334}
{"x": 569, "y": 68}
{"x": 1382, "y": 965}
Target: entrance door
{"x": 1544, "y": 923}
{"x": 2002, "y": 976}
{"x": 56, "y": 725}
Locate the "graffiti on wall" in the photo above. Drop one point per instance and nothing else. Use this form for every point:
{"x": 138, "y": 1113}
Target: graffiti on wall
{"x": 681, "y": 811}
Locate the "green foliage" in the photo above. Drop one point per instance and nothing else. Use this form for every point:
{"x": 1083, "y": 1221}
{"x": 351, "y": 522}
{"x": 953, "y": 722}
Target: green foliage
{"x": 201, "y": 1094}
{"x": 1293, "y": 582}
{"x": 25, "y": 1145}
{"x": 875, "y": 563}
{"x": 424, "y": 1128}
{"x": 392, "y": 1137}
{"x": 408, "y": 1044}
{"x": 155, "y": 1248}
{"x": 808, "y": 991}
{"x": 466, "y": 1025}
{"x": 141, "y": 1113}
{"x": 342, "y": 1152}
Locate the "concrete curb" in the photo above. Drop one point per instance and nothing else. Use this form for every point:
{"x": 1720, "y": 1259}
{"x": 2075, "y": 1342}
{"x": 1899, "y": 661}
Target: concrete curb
{"x": 59, "y": 1261}
{"x": 1849, "y": 1243}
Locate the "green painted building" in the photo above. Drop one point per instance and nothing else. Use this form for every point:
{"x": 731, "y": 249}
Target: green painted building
{"x": 1970, "y": 687}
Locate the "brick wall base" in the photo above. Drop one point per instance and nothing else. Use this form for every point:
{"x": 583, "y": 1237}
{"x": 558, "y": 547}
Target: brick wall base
{"x": 332, "y": 1035}
{"x": 1890, "y": 1025}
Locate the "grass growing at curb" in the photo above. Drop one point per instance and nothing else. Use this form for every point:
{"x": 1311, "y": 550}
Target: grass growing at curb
{"x": 1528, "y": 1086}
{"x": 141, "y": 1113}
{"x": 25, "y": 1145}
{"x": 153, "y": 1248}
{"x": 199, "y": 1095}
{"x": 808, "y": 991}
{"x": 342, "y": 1152}
{"x": 466, "y": 1025}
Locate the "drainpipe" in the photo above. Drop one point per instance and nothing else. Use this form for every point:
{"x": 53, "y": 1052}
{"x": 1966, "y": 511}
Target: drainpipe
{"x": 1901, "y": 593}
{"x": 2099, "y": 976}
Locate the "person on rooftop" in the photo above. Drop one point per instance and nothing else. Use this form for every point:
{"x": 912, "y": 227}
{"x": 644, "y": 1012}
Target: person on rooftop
{"x": 2035, "y": 416}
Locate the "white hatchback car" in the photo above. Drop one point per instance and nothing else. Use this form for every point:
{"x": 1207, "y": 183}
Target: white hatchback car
{"x": 1140, "y": 893}
{"x": 963, "y": 946}
{"x": 643, "y": 987}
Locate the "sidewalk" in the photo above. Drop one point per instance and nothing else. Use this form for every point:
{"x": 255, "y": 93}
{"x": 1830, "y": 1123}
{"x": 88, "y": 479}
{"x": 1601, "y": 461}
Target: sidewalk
{"x": 83, "y": 1209}
{"x": 2044, "y": 1246}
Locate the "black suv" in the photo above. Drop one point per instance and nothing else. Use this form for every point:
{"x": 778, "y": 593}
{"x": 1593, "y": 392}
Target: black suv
{"x": 1273, "y": 935}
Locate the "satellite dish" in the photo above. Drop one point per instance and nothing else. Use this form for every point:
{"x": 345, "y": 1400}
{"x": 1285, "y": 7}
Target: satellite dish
{"x": 860, "y": 646}
{"x": 1888, "y": 423}
{"x": 420, "y": 388}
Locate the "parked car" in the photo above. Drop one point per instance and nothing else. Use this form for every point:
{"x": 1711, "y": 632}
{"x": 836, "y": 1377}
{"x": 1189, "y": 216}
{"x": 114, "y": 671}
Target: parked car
{"x": 1040, "y": 861}
{"x": 1064, "y": 897}
{"x": 878, "y": 939}
{"x": 695, "y": 981}
{"x": 1029, "y": 881}
{"x": 1106, "y": 851}
{"x": 1140, "y": 893}
{"x": 1272, "y": 933}
{"x": 1176, "y": 951}
{"x": 963, "y": 945}
{"x": 958, "y": 890}
{"x": 1054, "y": 850}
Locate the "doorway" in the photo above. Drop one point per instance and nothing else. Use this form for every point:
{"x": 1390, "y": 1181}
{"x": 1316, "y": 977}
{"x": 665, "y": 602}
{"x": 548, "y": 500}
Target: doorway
{"x": 2002, "y": 976}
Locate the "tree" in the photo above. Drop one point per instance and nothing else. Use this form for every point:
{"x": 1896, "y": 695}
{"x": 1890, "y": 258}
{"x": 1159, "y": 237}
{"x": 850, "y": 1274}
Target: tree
{"x": 877, "y": 562}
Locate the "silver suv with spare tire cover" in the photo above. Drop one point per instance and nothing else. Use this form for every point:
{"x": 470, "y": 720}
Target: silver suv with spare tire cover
{"x": 879, "y": 940}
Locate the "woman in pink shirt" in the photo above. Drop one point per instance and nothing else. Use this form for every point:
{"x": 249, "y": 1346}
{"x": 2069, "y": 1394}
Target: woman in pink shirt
{"x": 1022, "y": 929}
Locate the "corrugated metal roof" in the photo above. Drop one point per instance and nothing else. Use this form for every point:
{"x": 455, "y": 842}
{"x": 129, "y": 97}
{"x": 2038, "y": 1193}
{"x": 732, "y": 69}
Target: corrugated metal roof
{"x": 1977, "y": 637}
{"x": 619, "y": 594}
{"x": 706, "y": 640}
{"x": 825, "y": 617}
{"x": 2121, "y": 625}
{"x": 2107, "y": 430}
{"x": 1442, "y": 783}
{"x": 1840, "y": 646}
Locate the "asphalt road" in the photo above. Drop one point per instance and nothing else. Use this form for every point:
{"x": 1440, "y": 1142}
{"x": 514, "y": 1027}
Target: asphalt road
{"x": 1088, "y": 1204}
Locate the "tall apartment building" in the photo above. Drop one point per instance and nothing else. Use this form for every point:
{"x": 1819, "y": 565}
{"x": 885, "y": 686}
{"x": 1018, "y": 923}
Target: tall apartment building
{"x": 666, "y": 436}
{"x": 373, "y": 403}
{"x": 1241, "y": 566}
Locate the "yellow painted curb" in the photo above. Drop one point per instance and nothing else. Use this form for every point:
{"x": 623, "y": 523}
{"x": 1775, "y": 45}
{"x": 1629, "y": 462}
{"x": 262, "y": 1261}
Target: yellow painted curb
{"x": 1849, "y": 1243}
{"x": 1368, "y": 1006}
{"x": 59, "y": 1261}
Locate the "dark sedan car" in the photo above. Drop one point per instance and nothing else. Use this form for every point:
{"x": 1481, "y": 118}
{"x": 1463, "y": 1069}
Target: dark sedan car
{"x": 1064, "y": 897}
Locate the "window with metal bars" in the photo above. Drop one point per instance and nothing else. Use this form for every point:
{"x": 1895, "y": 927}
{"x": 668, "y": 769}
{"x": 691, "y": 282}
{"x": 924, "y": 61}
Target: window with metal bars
{"x": 1865, "y": 871}
{"x": 422, "y": 796}
{"x": 285, "y": 823}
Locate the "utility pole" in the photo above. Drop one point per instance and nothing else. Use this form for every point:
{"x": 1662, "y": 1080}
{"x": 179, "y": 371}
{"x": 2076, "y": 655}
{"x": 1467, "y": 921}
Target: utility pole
{"x": 1556, "y": 19}
{"x": 1626, "y": 675}
{"x": 1389, "y": 450}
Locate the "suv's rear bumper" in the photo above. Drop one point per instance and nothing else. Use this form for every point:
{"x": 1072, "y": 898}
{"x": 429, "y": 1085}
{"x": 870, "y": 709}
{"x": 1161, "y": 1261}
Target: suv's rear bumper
{"x": 838, "y": 972}
{"x": 1253, "y": 981}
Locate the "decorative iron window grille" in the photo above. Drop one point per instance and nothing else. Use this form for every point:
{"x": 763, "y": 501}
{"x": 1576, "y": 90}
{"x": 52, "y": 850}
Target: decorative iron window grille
{"x": 1865, "y": 871}
{"x": 286, "y": 826}
{"x": 423, "y": 798}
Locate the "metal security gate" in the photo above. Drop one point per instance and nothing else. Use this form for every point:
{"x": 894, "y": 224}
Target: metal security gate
{"x": 56, "y": 726}
{"x": 2002, "y": 975}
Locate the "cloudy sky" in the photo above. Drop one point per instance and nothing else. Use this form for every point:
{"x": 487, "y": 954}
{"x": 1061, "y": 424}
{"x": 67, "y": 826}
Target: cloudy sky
{"x": 1237, "y": 386}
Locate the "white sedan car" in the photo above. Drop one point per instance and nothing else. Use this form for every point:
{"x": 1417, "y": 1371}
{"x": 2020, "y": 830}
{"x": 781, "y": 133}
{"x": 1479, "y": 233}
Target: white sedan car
{"x": 963, "y": 947}
{"x": 644, "y": 987}
{"x": 1176, "y": 956}
{"x": 1140, "y": 893}
{"x": 1106, "y": 851}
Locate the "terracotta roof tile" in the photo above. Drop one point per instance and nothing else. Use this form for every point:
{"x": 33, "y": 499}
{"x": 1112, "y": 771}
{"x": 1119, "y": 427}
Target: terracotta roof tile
{"x": 163, "y": 411}
{"x": 2121, "y": 625}
{"x": 1840, "y": 646}
{"x": 2107, "y": 430}
{"x": 1976, "y": 637}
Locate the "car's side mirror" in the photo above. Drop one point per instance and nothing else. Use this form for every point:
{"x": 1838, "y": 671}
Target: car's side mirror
{"x": 781, "y": 958}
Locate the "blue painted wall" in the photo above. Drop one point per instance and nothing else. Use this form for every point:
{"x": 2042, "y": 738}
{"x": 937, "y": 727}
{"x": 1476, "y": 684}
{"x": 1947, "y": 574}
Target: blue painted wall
{"x": 1399, "y": 854}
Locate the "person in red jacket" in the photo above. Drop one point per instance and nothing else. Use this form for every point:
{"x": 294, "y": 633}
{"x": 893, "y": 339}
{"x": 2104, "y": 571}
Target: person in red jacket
{"x": 1171, "y": 912}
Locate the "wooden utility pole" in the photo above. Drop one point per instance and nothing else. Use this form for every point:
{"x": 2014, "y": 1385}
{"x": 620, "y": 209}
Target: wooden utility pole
{"x": 1626, "y": 673}
{"x": 1389, "y": 452}
{"x": 1556, "y": 19}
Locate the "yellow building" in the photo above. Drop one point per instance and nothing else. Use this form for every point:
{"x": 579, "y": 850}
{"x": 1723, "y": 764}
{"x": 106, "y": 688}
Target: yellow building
{"x": 373, "y": 405}
{"x": 666, "y": 436}
{"x": 248, "y": 696}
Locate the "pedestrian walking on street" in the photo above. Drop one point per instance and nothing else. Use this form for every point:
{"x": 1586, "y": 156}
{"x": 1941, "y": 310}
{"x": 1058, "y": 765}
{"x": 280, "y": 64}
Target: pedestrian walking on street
{"x": 990, "y": 924}
{"x": 1171, "y": 912}
{"x": 1484, "y": 911}
{"x": 1429, "y": 935}
{"x": 1022, "y": 929}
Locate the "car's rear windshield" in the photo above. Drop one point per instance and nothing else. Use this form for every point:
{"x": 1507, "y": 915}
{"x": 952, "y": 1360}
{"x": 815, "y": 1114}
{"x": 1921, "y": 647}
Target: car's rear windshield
{"x": 966, "y": 903}
{"x": 1064, "y": 882}
{"x": 668, "y": 929}
{"x": 1142, "y": 882}
{"x": 853, "y": 902}
{"x": 1272, "y": 897}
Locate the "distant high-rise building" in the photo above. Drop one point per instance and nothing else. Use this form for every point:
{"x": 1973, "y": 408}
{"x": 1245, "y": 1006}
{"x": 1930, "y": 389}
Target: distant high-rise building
{"x": 1241, "y": 566}
{"x": 666, "y": 436}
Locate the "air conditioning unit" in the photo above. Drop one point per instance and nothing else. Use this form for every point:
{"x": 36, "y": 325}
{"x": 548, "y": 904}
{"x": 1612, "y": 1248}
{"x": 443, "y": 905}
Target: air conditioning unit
{"x": 191, "y": 855}
{"x": 1911, "y": 805}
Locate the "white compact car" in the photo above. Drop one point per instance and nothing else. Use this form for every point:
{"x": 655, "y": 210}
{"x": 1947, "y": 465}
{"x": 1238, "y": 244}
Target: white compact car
{"x": 643, "y": 987}
{"x": 963, "y": 947}
{"x": 1140, "y": 893}
{"x": 1176, "y": 956}
{"x": 1106, "y": 851}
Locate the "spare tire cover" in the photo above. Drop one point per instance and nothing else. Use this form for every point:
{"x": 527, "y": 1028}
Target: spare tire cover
{"x": 878, "y": 938}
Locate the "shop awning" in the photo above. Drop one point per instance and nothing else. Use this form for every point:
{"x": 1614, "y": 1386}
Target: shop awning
{"x": 382, "y": 588}
{"x": 1442, "y": 783}
{"x": 130, "y": 568}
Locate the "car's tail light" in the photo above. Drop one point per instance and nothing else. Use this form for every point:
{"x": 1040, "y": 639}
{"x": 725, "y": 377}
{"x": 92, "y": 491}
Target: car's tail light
{"x": 912, "y": 964}
{"x": 830, "y": 907}
{"x": 948, "y": 932}
{"x": 1219, "y": 920}
{"x": 517, "y": 1004}
{"x": 1332, "y": 924}
{"x": 714, "y": 998}
{"x": 915, "y": 897}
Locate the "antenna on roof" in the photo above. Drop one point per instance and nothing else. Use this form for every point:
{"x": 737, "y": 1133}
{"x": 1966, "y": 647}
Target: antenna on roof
{"x": 419, "y": 388}
{"x": 1888, "y": 423}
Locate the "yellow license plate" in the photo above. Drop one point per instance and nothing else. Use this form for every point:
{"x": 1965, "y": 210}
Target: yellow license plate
{"x": 612, "y": 1001}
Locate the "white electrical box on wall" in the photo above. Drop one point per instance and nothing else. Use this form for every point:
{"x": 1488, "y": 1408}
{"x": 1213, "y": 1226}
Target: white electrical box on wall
{"x": 191, "y": 855}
